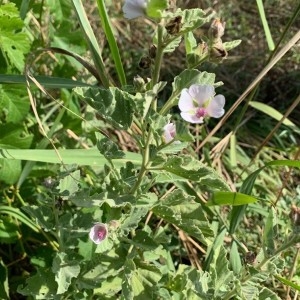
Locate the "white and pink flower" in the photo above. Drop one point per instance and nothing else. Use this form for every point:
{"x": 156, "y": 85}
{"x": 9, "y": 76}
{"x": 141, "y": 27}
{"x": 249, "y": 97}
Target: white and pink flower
{"x": 198, "y": 102}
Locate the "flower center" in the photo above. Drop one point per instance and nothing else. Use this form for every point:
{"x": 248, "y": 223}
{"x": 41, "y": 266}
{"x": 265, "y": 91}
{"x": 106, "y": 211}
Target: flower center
{"x": 101, "y": 234}
{"x": 201, "y": 112}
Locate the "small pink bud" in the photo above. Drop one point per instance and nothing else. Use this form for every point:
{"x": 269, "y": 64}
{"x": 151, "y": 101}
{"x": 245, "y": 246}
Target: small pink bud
{"x": 98, "y": 233}
{"x": 169, "y": 132}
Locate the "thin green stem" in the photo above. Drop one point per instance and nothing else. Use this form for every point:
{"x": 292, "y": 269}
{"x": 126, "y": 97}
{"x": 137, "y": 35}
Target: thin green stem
{"x": 158, "y": 56}
{"x": 145, "y": 163}
{"x": 167, "y": 106}
{"x": 57, "y": 228}
{"x": 157, "y": 62}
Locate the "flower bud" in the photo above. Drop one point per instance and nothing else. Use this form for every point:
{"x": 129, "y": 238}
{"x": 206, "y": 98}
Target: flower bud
{"x": 145, "y": 62}
{"x": 139, "y": 83}
{"x": 152, "y": 51}
{"x": 169, "y": 132}
{"x": 98, "y": 233}
{"x": 295, "y": 215}
{"x": 217, "y": 29}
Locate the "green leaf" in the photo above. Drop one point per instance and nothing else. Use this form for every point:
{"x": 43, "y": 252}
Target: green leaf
{"x": 91, "y": 41}
{"x": 235, "y": 259}
{"x": 194, "y": 18}
{"x": 269, "y": 235}
{"x": 288, "y": 282}
{"x": 109, "y": 149}
{"x": 214, "y": 248}
{"x": 273, "y": 113}
{"x": 16, "y": 213}
{"x": 187, "y": 168}
{"x": 88, "y": 157}
{"x": 14, "y": 136}
{"x": 10, "y": 170}
{"x": 140, "y": 280}
{"x": 4, "y": 288}
{"x": 200, "y": 283}
{"x": 69, "y": 184}
{"x": 114, "y": 105}
{"x": 14, "y": 104}
{"x": 13, "y": 42}
{"x": 127, "y": 287}
{"x": 189, "y": 42}
{"x": 83, "y": 199}
{"x": 155, "y": 7}
{"x": 247, "y": 291}
{"x": 230, "y": 198}
{"x": 171, "y": 46}
{"x": 220, "y": 274}
{"x": 64, "y": 271}
{"x": 266, "y": 294}
{"x": 46, "y": 81}
{"x": 231, "y": 45}
{"x": 9, "y": 231}
{"x": 180, "y": 210}
{"x": 188, "y": 77}
{"x": 114, "y": 50}
{"x": 40, "y": 286}
{"x": 42, "y": 214}
{"x": 247, "y": 186}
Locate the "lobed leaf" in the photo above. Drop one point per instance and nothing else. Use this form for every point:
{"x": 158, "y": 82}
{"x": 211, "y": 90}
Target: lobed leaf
{"x": 114, "y": 105}
{"x": 180, "y": 210}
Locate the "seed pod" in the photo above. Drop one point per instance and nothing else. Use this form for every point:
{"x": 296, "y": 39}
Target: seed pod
{"x": 145, "y": 62}
{"x": 174, "y": 26}
{"x": 152, "y": 51}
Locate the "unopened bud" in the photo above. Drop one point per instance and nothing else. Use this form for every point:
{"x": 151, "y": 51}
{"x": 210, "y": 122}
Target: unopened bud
{"x": 139, "y": 83}
{"x": 201, "y": 50}
{"x": 152, "y": 51}
{"x": 145, "y": 62}
{"x": 217, "y": 29}
{"x": 295, "y": 215}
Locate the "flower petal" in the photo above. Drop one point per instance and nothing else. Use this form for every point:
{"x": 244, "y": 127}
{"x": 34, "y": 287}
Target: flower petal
{"x": 134, "y": 8}
{"x": 169, "y": 132}
{"x": 202, "y": 93}
{"x": 192, "y": 118}
{"x": 185, "y": 102}
{"x": 215, "y": 107}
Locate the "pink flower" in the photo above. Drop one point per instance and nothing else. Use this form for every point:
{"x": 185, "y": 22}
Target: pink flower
{"x": 169, "y": 132}
{"x": 134, "y": 8}
{"x": 98, "y": 233}
{"x": 199, "y": 101}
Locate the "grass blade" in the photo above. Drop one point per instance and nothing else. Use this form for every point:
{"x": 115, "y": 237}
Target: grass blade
{"x": 264, "y": 21}
{"x": 46, "y": 81}
{"x": 90, "y": 157}
{"x": 107, "y": 27}
{"x": 91, "y": 41}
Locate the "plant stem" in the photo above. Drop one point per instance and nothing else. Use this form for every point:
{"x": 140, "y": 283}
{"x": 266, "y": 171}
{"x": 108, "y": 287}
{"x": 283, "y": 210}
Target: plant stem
{"x": 145, "y": 162}
{"x": 158, "y": 56}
